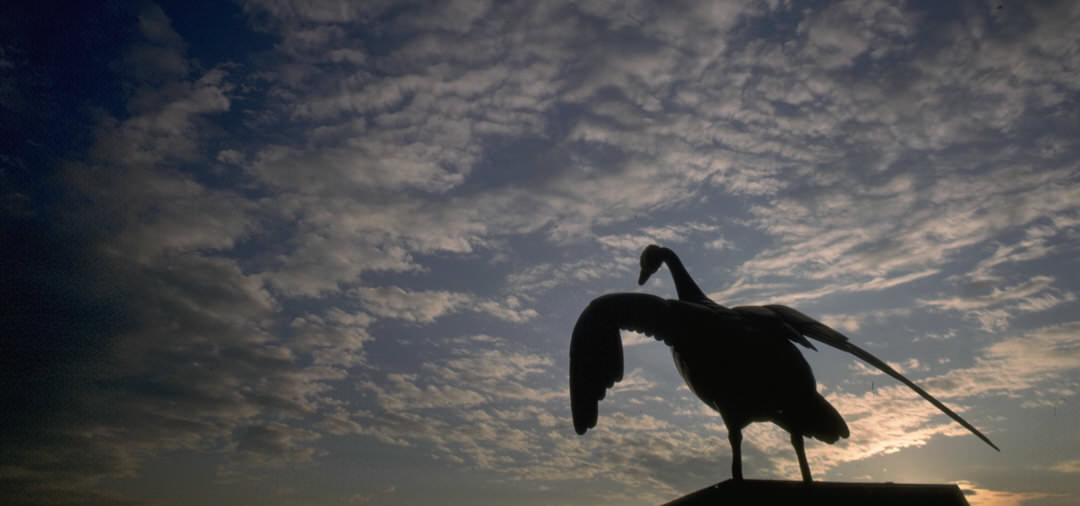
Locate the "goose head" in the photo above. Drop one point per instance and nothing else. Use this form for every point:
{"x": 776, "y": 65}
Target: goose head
{"x": 651, "y": 260}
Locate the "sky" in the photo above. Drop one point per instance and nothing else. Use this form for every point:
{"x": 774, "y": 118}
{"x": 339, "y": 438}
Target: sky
{"x": 322, "y": 252}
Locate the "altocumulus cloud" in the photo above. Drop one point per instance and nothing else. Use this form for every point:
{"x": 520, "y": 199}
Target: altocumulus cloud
{"x": 339, "y": 231}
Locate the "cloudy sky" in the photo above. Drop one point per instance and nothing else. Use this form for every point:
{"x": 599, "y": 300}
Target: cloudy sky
{"x": 292, "y": 252}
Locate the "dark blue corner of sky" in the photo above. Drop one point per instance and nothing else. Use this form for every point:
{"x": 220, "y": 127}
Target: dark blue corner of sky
{"x": 64, "y": 68}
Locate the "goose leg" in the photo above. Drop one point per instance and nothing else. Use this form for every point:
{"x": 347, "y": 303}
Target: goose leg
{"x": 735, "y": 438}
{"x": 797, "y": 442}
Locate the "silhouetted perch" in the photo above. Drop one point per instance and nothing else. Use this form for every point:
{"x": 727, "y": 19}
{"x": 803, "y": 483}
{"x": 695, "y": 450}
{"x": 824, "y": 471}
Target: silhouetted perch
{"x": 731, "y": 492}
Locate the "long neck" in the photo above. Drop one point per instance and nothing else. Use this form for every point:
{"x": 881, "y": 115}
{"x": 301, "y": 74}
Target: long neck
{"x": 684, "y": 284}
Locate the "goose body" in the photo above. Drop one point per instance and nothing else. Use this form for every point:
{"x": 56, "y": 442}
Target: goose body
{"x": 741, "y": 362}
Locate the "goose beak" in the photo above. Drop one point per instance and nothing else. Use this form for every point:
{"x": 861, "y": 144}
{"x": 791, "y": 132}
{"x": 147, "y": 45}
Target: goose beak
{"x": 643, "y": 277}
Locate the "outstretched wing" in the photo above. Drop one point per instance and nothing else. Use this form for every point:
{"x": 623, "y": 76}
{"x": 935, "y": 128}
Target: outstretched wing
{"x": 596, "y": 356}
{"x": 827, "y": 335}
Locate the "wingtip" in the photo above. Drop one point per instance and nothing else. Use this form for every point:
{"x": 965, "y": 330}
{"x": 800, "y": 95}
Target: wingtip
{"x": 983, "y": 437}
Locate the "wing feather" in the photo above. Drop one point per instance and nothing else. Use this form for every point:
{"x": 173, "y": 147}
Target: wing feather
{"x": 767, "y": 317}
{"x": 596, "y": 355}
{"x": 831, "y": 337}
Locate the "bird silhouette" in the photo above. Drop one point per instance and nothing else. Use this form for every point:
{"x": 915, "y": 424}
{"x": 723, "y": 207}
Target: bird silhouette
{"x": 740, "y": 361}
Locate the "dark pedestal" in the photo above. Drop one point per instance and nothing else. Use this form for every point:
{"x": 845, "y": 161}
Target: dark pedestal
{"x": 762, "y": 492}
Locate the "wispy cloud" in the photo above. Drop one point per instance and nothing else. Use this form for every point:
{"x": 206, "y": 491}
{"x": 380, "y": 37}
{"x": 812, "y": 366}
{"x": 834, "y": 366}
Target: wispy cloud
{"x": 254, "y": 252}
{"x": 978, "y": 496}
{"x": 1067, "y": 466}
{"x": 994, "y": 309}
{"x": 426, "y": 306}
